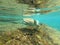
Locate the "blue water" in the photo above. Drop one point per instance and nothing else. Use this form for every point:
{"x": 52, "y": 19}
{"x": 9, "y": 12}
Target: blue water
{"x": 51, "y": 19}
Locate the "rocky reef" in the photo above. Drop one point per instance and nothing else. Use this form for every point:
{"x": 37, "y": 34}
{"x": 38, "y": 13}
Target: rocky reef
{"x": 43, "y": 35}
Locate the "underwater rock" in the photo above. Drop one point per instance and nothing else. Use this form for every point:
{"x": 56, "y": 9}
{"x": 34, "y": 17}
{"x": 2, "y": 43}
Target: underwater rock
{"x": 26, "y": 36}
